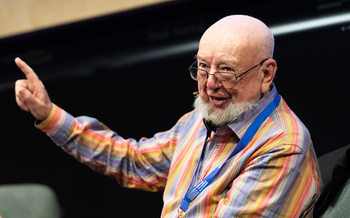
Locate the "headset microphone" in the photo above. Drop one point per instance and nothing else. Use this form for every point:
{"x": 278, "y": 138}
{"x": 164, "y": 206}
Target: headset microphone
{"x": 195, "y": 93}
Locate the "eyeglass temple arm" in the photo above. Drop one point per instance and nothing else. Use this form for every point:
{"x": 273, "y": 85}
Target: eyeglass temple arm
{"x": 251, "y": 68}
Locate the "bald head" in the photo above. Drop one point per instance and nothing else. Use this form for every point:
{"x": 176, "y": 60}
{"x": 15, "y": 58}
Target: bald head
{"x": 243, "y": 34}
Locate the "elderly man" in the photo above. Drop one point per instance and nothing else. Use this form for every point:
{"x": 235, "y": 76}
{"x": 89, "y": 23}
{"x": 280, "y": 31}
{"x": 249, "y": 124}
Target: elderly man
{"x": 242, "y": 151}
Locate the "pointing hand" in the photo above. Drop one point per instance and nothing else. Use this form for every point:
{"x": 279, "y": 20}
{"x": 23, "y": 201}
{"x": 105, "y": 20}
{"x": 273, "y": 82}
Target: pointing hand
{"x": 31, "y": 94}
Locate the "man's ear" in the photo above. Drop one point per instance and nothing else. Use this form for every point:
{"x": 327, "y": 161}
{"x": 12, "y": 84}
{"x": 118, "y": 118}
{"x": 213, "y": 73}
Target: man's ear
{"x": 269, "y": 69}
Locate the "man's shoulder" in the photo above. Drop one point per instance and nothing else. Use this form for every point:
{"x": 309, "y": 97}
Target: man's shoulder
{"x": 294, "y": 130}
{"x": 191, "y": 116}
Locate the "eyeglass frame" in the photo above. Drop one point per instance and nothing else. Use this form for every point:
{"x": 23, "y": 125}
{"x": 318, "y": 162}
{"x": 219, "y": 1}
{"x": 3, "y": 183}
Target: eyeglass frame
{"x": 191, "y": 67}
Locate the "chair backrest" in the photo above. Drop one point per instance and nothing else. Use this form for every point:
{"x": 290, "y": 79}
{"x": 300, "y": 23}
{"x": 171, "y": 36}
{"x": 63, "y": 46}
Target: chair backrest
{"x": 335, "y": 171}
{"x": 339, "y": 207}
{"x": 28, "y": 200}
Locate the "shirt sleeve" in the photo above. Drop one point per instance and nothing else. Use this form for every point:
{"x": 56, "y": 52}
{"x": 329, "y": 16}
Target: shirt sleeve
{"x": 279, "y": 183}
{"x": 142, "y": 164}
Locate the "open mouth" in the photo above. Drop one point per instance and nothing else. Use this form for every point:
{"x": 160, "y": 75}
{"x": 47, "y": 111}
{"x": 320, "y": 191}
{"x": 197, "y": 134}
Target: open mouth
{"x": 218, "y": 99}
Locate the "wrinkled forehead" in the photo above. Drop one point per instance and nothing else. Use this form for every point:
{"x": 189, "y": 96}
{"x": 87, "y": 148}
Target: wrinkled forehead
{"x": 227, "y": 40}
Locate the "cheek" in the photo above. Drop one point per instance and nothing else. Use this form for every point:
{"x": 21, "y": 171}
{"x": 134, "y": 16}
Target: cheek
{"x": 243, "y": 92}
{"x": 249, "y": 93}
{"x": 203, "y": 92}
{"x": 234, "y": 90}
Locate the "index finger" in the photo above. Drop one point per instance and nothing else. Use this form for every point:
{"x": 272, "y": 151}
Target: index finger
{"x": 27, "y": 70}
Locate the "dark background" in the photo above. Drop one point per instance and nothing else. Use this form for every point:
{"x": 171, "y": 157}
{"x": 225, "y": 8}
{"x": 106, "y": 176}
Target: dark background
{"x": 129, "y": 70}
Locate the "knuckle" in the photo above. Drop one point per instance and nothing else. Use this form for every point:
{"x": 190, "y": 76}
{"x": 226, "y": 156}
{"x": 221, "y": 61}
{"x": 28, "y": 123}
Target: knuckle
{"x": 19, "y": 83}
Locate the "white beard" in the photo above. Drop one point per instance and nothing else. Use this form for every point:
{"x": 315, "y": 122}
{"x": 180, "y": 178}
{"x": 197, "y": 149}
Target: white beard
{"x": 223, "y": 116}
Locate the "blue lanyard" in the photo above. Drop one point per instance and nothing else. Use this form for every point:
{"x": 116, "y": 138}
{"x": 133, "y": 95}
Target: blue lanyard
{"x": 195, "y": 191}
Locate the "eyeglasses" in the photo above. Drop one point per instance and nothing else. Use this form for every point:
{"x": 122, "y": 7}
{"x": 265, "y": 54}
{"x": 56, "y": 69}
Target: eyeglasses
{"x": 221, "y": 77}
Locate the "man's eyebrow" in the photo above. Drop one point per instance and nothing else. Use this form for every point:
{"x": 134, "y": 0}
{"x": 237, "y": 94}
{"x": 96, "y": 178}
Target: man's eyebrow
{"x": 199, "y": 58}
{"x": 228, "y": 63}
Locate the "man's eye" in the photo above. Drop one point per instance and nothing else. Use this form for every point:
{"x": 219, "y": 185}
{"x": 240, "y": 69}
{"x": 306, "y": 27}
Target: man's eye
{"x": 202, "y": 65}
{"x": 228, "y": 69}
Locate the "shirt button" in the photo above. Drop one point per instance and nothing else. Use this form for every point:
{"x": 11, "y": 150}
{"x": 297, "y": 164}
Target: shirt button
{"x": 216, "y": 145}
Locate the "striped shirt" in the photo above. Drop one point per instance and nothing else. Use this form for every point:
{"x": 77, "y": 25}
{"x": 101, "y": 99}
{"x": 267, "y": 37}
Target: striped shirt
{"x": 275, "y": 175}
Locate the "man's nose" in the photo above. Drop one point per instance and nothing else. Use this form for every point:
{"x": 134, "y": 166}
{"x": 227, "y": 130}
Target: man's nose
{"x": 212, "y": 82}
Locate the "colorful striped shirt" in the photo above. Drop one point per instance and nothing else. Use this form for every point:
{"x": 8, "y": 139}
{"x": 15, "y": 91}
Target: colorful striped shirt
{"x": 275, "y": 175}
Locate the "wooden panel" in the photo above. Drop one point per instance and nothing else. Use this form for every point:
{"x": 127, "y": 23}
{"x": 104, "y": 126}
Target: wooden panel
{"x": 19, "y": 16}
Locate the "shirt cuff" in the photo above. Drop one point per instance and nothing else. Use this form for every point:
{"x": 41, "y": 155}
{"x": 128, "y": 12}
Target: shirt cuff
{"x": 57, "y": 125}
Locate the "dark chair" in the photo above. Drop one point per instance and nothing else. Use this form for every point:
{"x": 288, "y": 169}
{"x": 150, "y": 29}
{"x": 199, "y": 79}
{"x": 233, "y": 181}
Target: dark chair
{"x": 335, "y": 198}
